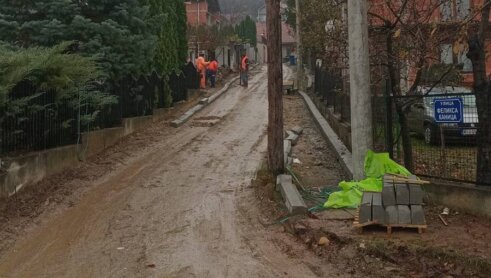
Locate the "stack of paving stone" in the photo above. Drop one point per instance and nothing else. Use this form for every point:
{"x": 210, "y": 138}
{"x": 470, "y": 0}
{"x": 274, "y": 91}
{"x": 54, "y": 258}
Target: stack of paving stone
{"x": 403, "y": 201}
{"x": 400, "y": 204}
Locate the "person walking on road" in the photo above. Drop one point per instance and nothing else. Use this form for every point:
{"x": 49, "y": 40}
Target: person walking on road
{"x": 212, "y": 71}
{"x": 244, "y": 70}
{"x": 201, "y": 65}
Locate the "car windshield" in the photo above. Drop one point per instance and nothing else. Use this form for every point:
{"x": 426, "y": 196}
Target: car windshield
{"x": 452, "y": 92}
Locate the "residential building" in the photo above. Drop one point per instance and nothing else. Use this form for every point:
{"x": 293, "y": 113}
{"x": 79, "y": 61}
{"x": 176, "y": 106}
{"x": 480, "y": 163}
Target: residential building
{"x": 288, "y": 42}
{"x": 446, "y": 18}
{"x": 202, "y": 12}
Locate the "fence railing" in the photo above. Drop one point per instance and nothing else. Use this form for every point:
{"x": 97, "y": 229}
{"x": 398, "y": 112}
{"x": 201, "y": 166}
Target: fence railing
{"x": 43, "y": 122}
{"x": 446, "y": 151}
{"x": 329, "y": 86}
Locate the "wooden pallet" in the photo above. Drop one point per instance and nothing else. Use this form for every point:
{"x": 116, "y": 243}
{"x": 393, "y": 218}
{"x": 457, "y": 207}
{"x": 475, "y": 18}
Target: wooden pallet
{"x": 358, "y": 225}
{"x": 421, "y": 228}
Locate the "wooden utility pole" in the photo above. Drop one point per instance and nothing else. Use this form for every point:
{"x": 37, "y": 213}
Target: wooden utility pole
{"x": 299, "y": 46}
{"x": 275, "y": 93}
{"x": 360, "y": 96}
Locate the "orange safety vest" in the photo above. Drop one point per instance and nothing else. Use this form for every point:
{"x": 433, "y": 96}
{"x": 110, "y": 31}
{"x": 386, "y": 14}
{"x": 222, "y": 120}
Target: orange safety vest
{"x": 213, "y": 66}
{"x": 244, "y": 63}
{"x": 200, "y": 61}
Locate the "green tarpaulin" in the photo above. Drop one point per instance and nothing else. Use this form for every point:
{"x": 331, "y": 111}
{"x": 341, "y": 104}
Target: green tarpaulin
{"x": 376, "y": 166}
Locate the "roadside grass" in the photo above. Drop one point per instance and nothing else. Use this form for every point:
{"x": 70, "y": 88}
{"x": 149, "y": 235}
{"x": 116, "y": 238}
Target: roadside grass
{"x": 452, "y": 162}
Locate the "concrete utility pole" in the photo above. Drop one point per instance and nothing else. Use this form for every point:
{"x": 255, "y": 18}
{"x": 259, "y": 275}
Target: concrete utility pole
{"x": 299, "y": 46}
{"x": 275, "y": 92}
{"x": 360, "y": 96}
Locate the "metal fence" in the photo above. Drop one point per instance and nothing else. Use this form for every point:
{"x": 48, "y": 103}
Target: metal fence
{"x": 445, "y": 150}
{"x": 441, "y": 150}
{"x": 35, "y": 120}
{"x": 329, "y": 86}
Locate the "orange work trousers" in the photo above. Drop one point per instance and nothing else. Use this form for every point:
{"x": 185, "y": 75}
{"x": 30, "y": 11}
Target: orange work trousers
{"x": 202, "y": 83}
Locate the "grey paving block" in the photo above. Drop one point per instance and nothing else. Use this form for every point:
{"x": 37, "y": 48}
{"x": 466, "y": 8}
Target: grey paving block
{"x": 293, "y": 200}
{"x": 416, "y": 194}
{"x": 417, "y": 215}
{"x": 283, "y": 179}
{"x": 404, "y": 214}
{"x": 292, "y": 137}
{"x": 287, "y": 147}
{"x": 297, "y": 130}
{"x": 204, "y": 101}
{"x": 176, "y": 123}
{"x": 378, "y": 212}
{"x": 402, "y": 194}
{"x": 289, "y": 162}
{"x": 388, "y": 194}
{"x": 391, "y": 215}
{"x": 366, "y": 207}
{"x": 186, "y": 116}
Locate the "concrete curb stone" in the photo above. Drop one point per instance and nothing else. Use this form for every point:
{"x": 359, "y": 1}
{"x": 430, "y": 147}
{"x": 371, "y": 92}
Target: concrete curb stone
{"x": 344, "y": 155}
{"x": 282, "y": 179}
{"x": 378, "y": 212}
{"x": 366, "y": 207}
{"x": 297, "y": 130}
{"x": 202, "y": 104}
{"x": 292, "y": 137}
{"x": 402, "y": 194}
{"x": 293, "y": 200}
{"x": 404, "y": 214}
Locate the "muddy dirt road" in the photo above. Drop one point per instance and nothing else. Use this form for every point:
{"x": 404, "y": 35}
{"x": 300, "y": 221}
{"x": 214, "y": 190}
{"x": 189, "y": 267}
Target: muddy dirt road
{"x": 179, "y": 208}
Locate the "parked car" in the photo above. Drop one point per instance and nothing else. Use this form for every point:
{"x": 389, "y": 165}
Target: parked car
{"x": 421, "y": 116}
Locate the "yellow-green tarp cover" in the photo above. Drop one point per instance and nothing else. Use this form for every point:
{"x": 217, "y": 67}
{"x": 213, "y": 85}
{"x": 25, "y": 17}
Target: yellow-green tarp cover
{"x": 376, "y": 166}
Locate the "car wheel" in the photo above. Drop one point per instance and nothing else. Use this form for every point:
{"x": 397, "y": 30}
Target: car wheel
{"x": 430, "y": 136}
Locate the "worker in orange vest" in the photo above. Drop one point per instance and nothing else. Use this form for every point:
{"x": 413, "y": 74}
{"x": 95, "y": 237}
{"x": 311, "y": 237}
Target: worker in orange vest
{"x": 201, "y": 65}
{"x": 244, "y": 70}
{"x": 212, "y": 71}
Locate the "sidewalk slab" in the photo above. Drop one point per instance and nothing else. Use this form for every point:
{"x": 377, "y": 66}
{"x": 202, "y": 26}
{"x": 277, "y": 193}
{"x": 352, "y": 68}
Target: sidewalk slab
{"x": 378, "y": 212}
{"x": 402, "y": 194}
{"x": 417, "y": 215}
{"x": 391, "y": 215}
{"x": 388, "y": 194}
{"x": 366, "y": 207}
{"x": 404, "y": 214}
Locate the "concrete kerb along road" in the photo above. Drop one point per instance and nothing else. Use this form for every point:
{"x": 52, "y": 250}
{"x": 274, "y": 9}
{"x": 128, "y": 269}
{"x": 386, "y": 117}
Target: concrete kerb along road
{"x": 342, "y": 152}
{"x": 202, "y": 104}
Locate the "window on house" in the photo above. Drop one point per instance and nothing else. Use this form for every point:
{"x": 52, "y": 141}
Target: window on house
{"x": 446, "y": 56}
{"x": 463, "y": 8}
{"x": 446, "y": 10}
{"x": 464, "y": 61}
